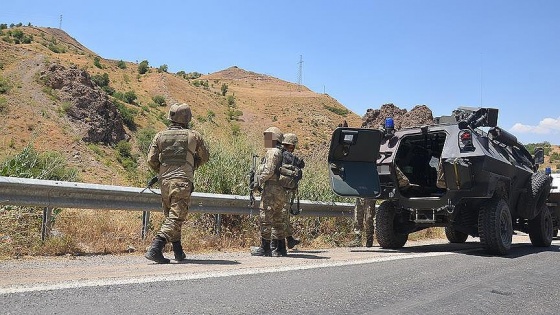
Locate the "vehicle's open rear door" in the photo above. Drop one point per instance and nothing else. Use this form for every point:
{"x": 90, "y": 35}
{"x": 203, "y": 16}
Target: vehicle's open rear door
{"x": 352, "y": 162}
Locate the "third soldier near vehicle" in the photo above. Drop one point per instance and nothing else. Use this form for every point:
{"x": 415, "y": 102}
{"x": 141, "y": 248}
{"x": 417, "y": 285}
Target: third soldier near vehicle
{"x": 364, "y": 213}
{"x": 290, "y": 142}
{"x": 274, "y": 197}
{"x": 175, "y": 154}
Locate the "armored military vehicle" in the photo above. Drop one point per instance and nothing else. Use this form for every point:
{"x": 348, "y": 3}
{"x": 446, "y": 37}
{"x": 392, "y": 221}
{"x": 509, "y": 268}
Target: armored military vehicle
{"x": 463, "y": 173}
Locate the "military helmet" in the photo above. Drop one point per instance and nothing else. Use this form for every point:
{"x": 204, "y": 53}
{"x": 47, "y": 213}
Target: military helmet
{"x": 290, "y": 138}
{"x": 180, "y": 113}
{"x": 276, "y": 133}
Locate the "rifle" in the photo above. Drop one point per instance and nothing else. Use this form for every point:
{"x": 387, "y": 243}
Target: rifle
{"x": 252, "y": 183}
{"x": 151, "y": 182}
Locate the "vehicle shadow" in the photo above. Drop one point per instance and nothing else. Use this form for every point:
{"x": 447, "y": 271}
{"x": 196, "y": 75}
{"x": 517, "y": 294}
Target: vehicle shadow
{"x": 468, "y": 248}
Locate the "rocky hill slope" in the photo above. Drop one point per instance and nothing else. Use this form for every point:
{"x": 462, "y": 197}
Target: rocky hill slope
{"x": 61, "y": 96}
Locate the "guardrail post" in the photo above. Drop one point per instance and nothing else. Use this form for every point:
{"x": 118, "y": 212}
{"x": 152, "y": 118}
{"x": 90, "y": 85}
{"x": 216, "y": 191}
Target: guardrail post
{"x": 145, "y": 223}
{"x": 218, "y": 224}
{"x": 46, "y": 225}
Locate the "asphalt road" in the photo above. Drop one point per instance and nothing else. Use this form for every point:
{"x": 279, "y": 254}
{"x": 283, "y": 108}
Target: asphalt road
{"x": 422, "y": 278}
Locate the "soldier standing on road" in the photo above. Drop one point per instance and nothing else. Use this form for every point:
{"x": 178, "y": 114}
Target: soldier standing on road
{"x": 175, "y": 154}
{"x": 274, "y": 197}
{"x": 290, "y": 141}
{"x": 364, "y": 212}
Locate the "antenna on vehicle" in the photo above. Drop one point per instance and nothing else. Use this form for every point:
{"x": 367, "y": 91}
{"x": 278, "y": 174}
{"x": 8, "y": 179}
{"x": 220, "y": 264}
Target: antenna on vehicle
{"x": 481, "y": 79}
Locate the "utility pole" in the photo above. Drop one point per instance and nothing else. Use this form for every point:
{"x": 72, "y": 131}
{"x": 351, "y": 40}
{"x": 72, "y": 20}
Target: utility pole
{"x": 300, "y": 72}
{"x": 60, "y": 23}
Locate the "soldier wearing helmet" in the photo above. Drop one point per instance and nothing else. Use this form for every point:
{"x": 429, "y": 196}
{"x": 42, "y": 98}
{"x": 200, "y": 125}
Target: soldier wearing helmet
{"x": 175, "y": 154}
{"x": 273, "y": 198}
{"x": 290, "y": 141}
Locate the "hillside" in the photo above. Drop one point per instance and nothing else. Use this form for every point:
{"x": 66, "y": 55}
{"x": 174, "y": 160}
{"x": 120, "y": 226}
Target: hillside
{"x": 47, "y": 99}
{"x": 45, "y": 73}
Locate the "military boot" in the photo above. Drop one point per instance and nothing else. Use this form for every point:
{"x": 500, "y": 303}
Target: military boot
{"x": 275, "y": 249}
{"x": 263, "y": 250}
{"x": 178, "y": 251}
{"x": 155, "y": 253}
{"x": 357, "y": 242}
{"x": 282, "y": 248}
{"x": 292, "y": 242}
{"x": 369, "y": 240}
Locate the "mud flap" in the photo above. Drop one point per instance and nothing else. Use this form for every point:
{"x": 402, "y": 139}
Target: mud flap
{"x": 352, "y": 162}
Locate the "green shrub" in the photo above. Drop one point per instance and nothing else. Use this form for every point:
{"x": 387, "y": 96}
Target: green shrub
{"x": 4, "y": 85}
{"x": 97, "y": 62}
{"x": 121, "y": 64}
{"x": 144, "y": 138}
{"x": 3, "y": 106}
{"x": 224, "y": 89}
{"x": 127, "y": 115}
{"x": 160, "y": 100}
{"x": 339, "y": 111}
{"x": 162, "y": 68}
{"x": 102, "y": 80}
{"x": 130, "y": 97}
{"x": 31, "y": 164}
{"x": 143, "y": 67}
{"x": 231, "y": 100}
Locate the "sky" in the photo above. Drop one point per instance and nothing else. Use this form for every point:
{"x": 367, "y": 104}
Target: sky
{"x": 441, "y": 53}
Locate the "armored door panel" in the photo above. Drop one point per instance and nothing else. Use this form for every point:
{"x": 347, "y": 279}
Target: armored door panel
{"x": 352, "y": 162}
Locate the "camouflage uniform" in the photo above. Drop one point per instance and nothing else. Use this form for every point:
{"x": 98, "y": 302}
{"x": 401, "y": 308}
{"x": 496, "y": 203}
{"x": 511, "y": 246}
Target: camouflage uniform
{"x": 175, "y": 154}
{"x": 364, "y": 212}
{"x": 289, "y": 142}
{"x": 273, "y": 199}
{"x": 272, "y": 210}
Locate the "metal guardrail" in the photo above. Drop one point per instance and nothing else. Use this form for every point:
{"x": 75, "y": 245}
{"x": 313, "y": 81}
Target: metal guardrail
{"x": 58, "y": 194}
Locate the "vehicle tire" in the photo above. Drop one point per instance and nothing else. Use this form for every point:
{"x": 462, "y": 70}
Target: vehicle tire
{"x": 495, "y": 227}
{"x": 385, "y": 219}
{"x": 540, "y": 228}
{"x": 534, "y": 198}
{"x": 454, "y": 236}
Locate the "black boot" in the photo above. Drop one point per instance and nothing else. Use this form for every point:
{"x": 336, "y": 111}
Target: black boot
{"x": 282, "y": 248}
{"x": 263, "y": 250}
{"x": 275, "y": 248}
{"x": 178, "y": 251}
{"x": 292, "y": 242}
{"x": 369, "y": 240}
{"x": 155, "y": 253}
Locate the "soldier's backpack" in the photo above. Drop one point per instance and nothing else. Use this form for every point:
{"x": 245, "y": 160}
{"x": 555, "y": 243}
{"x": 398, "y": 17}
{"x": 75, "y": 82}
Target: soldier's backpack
{"x": 290, "y": 172}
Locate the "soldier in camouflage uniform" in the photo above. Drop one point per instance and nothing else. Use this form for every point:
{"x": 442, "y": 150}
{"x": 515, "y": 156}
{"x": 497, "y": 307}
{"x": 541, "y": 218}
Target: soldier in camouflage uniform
{"x": 364, "y": 212}
{"x": 274, "y": 197}
{"x": 175, "y": 154}
{"x": 290, "y": 141}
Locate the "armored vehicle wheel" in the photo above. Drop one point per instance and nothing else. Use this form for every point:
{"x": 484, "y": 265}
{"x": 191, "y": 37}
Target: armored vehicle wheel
{"x": 454, "y": 236}
{"x": 495, "y": 227}
{"x": 385, "y": 219}
{"x": 534, "y": 199}
{"x": 540, "y": 228}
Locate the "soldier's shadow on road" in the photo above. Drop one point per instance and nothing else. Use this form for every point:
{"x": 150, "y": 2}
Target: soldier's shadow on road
{"x": 307, "y": 254}
{"x": 468, "y": 248}
{"x": 208, "y": 262}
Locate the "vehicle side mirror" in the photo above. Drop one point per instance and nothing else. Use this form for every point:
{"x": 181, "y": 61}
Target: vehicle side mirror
{"x": 539, "y": 156}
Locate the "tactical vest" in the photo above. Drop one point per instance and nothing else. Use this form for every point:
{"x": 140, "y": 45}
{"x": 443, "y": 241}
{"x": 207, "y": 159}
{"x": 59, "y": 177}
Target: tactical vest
{"x": 177, "y": 151}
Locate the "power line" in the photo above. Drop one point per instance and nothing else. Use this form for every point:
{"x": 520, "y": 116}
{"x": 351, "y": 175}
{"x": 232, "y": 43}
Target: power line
{"x": 300, "y": 72}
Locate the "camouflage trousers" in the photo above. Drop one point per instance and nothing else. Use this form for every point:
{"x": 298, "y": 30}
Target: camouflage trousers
{"x": 364, "y": 212}
{"x": 175, "y": 198}
{"x": 273, "y": 212}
